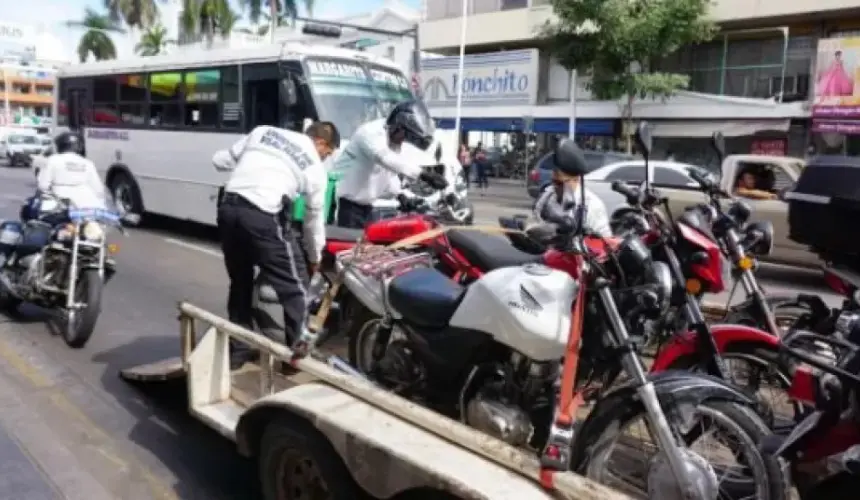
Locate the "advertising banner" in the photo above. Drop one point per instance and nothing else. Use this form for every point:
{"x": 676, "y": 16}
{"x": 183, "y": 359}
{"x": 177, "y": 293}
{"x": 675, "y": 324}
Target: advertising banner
{"x": 492, "y": 79}
{"x": 837, "y": 79}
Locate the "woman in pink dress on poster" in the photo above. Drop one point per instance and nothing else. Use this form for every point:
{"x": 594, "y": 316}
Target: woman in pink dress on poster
{"x": 835, "y": 81}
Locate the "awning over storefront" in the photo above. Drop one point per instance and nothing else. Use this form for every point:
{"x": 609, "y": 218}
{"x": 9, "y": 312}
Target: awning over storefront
{"x": 706, "y": 128}
{"x": 539, "y": 125}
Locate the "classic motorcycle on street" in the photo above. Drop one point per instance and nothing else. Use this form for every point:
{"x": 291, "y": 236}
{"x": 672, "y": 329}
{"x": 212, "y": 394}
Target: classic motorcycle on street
{"x": 488, "y": 354}
{"x": 61, "y": 261}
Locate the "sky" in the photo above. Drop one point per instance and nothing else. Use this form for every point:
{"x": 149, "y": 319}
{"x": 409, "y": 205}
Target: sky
{"x": 53, "y": 15}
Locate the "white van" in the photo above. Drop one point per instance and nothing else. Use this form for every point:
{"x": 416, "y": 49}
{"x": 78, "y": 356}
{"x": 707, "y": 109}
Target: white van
{"x": 18, "y": 145}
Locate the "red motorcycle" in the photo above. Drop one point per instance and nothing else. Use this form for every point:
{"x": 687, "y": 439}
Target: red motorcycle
{"x": 824, "y": 448}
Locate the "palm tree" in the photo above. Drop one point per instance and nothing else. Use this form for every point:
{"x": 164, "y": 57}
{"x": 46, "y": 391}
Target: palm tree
{"x": 278, "y": 9}
{"x": 264, "y": 27}
{"x": 153, "y": 41}
{"x": 96, "y": 40}
{"x": 134, "y": 13}
{"x": 207, "y": 18}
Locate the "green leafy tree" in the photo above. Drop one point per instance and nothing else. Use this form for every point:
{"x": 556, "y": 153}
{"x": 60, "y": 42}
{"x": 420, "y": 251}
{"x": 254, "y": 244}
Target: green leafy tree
{"x": 96, "y": 39}
{"x": 618, "y": 44}
{"x": 207, "y": 18}
{"x": 134, "y": 13}
{"x": 277, "y": 9}
{"x": 153, "y": 41}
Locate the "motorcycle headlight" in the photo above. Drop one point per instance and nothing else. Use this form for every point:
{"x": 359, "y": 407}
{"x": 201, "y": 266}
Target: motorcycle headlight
{"x": 92, "y": 231}
{"x": 661, "y": 278}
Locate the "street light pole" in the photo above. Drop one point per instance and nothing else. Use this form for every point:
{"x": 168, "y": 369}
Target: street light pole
{"x": 464, "y": 23}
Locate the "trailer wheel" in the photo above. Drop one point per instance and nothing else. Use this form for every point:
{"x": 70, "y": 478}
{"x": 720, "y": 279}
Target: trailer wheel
{"x": 298, "y": 463}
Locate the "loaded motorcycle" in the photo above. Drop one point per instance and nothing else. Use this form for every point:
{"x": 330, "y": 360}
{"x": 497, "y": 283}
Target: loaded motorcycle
{"x": 59, "y": 260}
{"x": 488, "y": 354}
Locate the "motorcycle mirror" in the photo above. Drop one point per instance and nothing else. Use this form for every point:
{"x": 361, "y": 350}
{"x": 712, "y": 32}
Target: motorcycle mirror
{"x": 644, "y": 140}
{"x": 718, "y": 142}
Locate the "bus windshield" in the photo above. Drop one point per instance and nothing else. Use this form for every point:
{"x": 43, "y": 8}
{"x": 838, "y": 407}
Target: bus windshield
{"x": 351, "y": 93}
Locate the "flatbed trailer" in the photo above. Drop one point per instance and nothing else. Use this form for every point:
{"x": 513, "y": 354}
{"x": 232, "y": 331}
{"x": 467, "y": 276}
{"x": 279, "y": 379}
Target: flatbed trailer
{"x": 321, "y": 429}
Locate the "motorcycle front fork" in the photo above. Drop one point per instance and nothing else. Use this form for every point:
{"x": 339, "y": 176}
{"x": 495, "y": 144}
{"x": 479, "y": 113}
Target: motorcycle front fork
{"x": 659, "y": 424}
{"x": 754, "y": 290}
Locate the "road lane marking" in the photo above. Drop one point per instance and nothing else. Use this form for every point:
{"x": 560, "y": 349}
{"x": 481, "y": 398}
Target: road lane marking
{"x": 32, "y": 374}
{"x": 196, "y": 248}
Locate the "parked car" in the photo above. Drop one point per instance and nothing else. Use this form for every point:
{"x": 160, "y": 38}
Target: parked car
{"x": 541, "y": 174}
{"x": 16, "y": 147}
{"x": 665, "y": 174}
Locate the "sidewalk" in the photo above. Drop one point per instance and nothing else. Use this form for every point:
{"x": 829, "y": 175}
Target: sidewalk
{"x": 509, "y": 189}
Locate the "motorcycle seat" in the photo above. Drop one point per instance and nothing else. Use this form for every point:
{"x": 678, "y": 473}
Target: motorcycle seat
{"x": 488, "y": 251}
{"x": 343, "y": 233}
{"x": 425, "y": 297}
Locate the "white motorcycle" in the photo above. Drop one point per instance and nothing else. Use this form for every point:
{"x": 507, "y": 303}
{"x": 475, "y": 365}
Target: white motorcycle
{"x": 489, "y": 355}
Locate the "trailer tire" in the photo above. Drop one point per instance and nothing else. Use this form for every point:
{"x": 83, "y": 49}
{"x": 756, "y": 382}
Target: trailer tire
{"x": 295, "y": 448}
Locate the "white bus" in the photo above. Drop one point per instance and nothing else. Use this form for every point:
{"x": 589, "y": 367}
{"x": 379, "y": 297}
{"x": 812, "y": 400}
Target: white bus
{"x": 152, "y": 124}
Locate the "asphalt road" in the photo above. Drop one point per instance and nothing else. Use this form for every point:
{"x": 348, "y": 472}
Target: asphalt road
{"x": 95, "y": 437}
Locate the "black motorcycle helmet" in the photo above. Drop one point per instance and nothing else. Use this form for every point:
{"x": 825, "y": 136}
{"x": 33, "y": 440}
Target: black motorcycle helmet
{"x": 569, "y": 159}
{"x": 413, "y": 119}
{"x": 68, "y": 142}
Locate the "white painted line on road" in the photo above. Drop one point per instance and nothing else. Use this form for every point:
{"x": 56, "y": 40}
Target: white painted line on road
{"x": 196, "y": 248}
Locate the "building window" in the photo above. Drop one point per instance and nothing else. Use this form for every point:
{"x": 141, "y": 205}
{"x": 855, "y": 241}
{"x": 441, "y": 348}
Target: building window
{"x": 746, "y": 67}
{"x": 514, "y": 4}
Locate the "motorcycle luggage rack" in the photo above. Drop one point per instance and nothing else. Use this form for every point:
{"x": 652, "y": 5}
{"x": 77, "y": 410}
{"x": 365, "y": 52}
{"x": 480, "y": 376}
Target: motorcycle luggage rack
{"x": 383, "y": 264}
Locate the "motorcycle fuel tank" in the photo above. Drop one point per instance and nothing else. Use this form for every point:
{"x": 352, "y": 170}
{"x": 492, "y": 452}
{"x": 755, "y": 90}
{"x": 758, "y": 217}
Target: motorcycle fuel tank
{"x": 526, "y": 308}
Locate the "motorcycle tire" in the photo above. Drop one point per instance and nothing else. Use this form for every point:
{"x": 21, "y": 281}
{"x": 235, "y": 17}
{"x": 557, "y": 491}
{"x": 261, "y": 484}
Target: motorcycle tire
{"x": 599, "y": 430}
{"x": 76, "y": 334}
{"x": 766, "y": 358}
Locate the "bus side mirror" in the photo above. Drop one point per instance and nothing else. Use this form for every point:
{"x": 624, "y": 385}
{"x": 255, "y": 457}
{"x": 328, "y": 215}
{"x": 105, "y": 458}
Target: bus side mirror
{"x": 289, "y": 91}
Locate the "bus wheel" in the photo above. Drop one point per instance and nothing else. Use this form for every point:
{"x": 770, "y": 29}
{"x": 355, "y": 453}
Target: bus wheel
{"x": 125, "y": 194}
{"x": 297, "y": 463}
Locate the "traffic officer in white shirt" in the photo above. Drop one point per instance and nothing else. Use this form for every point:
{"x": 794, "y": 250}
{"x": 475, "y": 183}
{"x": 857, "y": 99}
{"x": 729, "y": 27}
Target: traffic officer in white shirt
{"x": 270, "y": 168}
{"x": 565, "y": 191}
{"x": 371, "y": 163}
{"x": 68, "y": 175}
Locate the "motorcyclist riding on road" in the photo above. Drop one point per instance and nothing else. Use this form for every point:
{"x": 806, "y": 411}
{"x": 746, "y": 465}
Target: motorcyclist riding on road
{"x": 371, "y": 163}
{"x": 565, "y": 191}
{"x": 67, "y": 175}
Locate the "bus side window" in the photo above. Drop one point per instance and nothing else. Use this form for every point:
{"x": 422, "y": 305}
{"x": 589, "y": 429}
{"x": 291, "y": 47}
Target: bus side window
{"x": 261, "y": 86}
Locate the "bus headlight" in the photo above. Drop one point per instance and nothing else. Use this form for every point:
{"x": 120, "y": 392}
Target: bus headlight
{"x": 92, "y": 231}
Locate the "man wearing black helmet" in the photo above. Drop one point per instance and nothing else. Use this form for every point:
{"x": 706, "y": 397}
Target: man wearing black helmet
{"x": 569, "y": 166}
{"x": 371, "y": 163}
{"x": 69, "y": 175}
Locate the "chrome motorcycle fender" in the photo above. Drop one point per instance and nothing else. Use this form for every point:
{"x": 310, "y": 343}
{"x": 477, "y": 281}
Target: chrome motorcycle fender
{"x": 675, "y": 389}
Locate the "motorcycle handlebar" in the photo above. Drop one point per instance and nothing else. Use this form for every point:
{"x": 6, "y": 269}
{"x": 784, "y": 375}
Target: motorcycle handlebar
{"x": 631, "y": 193}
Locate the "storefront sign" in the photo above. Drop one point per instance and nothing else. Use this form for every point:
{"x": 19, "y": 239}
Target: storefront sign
{"x": 768, "y": 147}
{"x": 11, "y": 32}
{"x": 836, "y": 127}
{"x": 492, "y": 79}
{"x": 837, "y": 79}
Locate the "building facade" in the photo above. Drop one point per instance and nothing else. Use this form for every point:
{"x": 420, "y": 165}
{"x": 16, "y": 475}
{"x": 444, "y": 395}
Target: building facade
{"x": 29, "y": 57}
{"x": 756, "y": 81}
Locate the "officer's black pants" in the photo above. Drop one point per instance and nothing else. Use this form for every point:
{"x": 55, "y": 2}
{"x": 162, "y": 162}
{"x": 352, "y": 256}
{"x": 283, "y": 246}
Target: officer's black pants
{"x": 251, "y": 237}
{"x": 353, "y": 215}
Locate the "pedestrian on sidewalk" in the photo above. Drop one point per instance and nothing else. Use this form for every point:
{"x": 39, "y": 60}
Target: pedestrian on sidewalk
{"x": 466, "y": 162}
{"x": 479, "y": 158}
